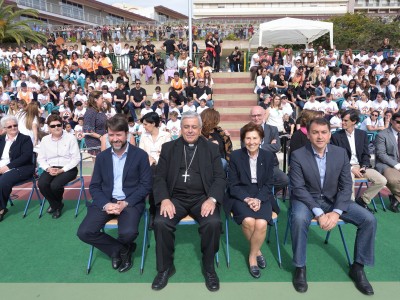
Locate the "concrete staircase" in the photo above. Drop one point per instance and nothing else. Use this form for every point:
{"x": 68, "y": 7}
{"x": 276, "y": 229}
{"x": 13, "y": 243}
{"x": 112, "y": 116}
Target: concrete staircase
{"x": 233, "y": 97}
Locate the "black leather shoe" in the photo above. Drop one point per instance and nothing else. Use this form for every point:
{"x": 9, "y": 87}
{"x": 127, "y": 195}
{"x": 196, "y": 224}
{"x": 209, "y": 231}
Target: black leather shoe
{"x": 255, "y": 271}
{"x": 57, "y": 212}
{"x": 50, "y": 210}
{"x": 261, "y": 262}
{"x": 361, "y": 281}
{"x": 300, "y": 280}
{"x": 212, "y": 281}
{"x": 126, "y": 259}
{"x": 161, "y": 279}
{"x": 5, "y": 210}
{"x": 116, "y": 262}
{"x": 361, "y": 202}
{"x": 394, "y": 204}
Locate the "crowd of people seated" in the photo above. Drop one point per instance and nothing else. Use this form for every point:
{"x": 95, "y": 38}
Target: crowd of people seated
{"x": 323, "y": 81}
{"x": 61, "y": 102}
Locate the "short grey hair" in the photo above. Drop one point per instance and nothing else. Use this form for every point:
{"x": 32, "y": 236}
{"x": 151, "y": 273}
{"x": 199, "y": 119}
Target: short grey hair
{"x": 7, "y": 118}
{"x": 190, "y": 115}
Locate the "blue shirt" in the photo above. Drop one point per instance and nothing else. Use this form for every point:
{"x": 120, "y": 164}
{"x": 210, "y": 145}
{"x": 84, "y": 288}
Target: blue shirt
{"x": 321, "y": 163}
{"x": 118, "y": 169}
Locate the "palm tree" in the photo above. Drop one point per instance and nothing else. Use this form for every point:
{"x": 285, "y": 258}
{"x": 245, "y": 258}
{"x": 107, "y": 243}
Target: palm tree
{"x": 14, "y": 29}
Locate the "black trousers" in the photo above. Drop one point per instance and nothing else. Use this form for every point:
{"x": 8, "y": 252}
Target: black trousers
{"x": 164, "y": 231}
{"x": 52, "y": 187}
{"x": 158, "y": 72}
{"x": 217, "y": 62}
{"x": 7, "y": 181}
{"x": 128, "y": 223}
{"x": 120, "y": 109}
{"x": 281, "y": 180}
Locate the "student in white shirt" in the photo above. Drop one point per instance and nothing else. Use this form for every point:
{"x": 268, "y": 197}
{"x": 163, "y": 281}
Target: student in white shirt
{"x": 364, "y": 104}
{"x": 147, "y": 108}
{"x": 380, "y": 104}
{"x": 202, "y": 106}
{"x": 174, "y": 125}
{"x": 373, "y": 122}
{"x": 189, "y": 106}
{"x": 312, "y": 104}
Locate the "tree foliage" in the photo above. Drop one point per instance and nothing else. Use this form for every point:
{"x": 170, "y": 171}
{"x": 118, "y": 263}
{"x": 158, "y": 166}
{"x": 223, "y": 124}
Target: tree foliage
{"x": 12, "y": 28}
{"x": 358, "y": 31}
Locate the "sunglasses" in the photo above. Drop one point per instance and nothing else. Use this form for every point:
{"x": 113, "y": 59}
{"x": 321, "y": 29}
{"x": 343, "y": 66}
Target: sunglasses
{"x": 397, "y": 122}
{"x": 374, "y": 115}
{"x": 137, "y": 82}
{"x": 55, "y": 125}
{"x": 12, "y": 126}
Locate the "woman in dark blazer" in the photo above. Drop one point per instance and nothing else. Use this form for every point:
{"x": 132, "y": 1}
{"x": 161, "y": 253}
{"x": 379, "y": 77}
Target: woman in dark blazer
{"x": 16, "y": 165}
{"x": 249, "y": 196}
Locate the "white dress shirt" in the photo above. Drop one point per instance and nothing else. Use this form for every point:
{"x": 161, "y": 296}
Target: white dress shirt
{"x": 5, "y": 157}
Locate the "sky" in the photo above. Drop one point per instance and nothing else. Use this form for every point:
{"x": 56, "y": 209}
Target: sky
{"x": 177, "y": 5}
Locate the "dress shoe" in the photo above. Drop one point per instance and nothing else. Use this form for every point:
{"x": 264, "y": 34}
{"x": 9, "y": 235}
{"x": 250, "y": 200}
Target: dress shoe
{"x": 57, "y": 212}
{"x": 261, "y": 262}
{"x": 5, "y": 210}
{"x": 361, "y": 281}
{"x": 116, "y": 262}
{"x": 361, "y": 202}
{"x": 161, "y": 279}
{"x": 50, "y": 210}
{"x": 212, "y": 281}
{"x": 255, "y": 271}
{"x": 126, "y": 259}
{"x": 394, "y": 204}
{"x": 300, "y": 280}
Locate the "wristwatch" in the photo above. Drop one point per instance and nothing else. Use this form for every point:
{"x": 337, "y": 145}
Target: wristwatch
{"x": 213, "y": 199}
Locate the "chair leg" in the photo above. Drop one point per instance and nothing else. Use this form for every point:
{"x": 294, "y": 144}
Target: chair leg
{"x": 345, "y": 245}
{"x": 28, "y": 202}
{"x": 145, "y": 241}
{"x": 374, "y": 205}
{"x": 328, "y": 234}
{"x": 217, "y": 259}
{"x": 359, "y": 189}
{"x": 228, "y": 258}
{"x": 89, "y": 265}
{"x": 382, "y": 202}
{"x": 80, "y": 196}
{"x": 10, "y": 201}
{"x": 42, "y": 207}
{"x": 278, "y": 248}
{"x": 287, "y": 229}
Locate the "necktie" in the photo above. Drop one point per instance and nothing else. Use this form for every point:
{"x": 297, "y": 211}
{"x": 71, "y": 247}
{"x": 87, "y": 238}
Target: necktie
{"x": 263, "y": 82}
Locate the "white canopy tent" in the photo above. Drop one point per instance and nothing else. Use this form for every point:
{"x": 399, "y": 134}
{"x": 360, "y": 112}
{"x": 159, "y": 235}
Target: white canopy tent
{"x": 290, "y": 31}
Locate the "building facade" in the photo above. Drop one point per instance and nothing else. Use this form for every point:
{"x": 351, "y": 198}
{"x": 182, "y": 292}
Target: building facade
{"x": 272, "y": 9}
{"x": 74, "y": 12}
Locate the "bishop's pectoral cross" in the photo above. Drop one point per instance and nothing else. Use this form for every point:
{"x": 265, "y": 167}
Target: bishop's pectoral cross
{"x": 186, "y": 175}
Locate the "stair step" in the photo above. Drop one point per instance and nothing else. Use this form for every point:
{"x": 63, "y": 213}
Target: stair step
{"x": 236, "y": 97}
{"x": 232, "y": 80}
{"x": 231, "y": 75}
{"x": 235, "y": 103}
{"x": 232, "y": 91}
{"x": 235, "y": 117}
{"x": 234, "y": 110}
{"x": 228, "y": 85}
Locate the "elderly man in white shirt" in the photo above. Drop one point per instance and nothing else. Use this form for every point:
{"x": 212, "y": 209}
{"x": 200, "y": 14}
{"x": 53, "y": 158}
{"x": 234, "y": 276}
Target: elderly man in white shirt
{"x": 59, "y": 156}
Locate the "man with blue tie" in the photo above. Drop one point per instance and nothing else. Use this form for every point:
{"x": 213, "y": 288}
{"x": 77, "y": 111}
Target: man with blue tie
{"x": 321, "y": 188}
{"x": 121, "y": 180}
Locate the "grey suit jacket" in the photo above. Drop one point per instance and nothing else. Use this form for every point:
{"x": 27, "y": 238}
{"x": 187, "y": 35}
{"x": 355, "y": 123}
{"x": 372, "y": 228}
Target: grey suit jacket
{"x": 306, "y": 182}
{"x": 386, "y": 151}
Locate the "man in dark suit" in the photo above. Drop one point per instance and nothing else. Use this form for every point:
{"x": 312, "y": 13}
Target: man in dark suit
{"x": 355, "y": 141}
{"x": 189, "y": 180}
{"x": 272, "y": 143}
{"x": 387, "y": 148}
{"x": 321, "y": 188}
{"x": 120, "y": 182}
{"x": 16, "y": 165}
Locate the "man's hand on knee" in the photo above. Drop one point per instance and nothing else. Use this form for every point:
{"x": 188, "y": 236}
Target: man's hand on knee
{"x": 207, "y": 208}
{"x": 167, "y": 208}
